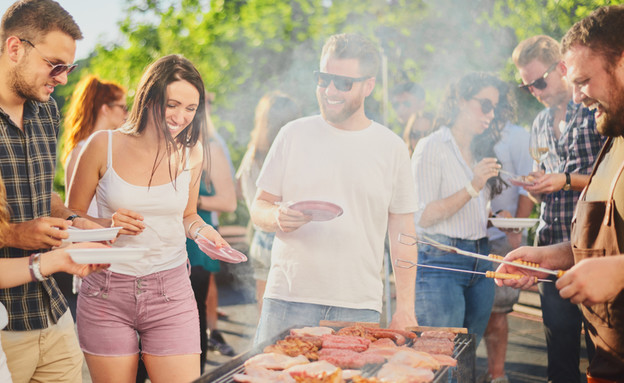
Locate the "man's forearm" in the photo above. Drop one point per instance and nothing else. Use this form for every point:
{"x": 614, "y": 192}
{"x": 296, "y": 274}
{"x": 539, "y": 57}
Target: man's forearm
{"x": 578, "y": 181}
{"x": 405, "y": 279}
{"x": 263, "y": 215}
{"x": 561, "y": 256}
{"x": 58, "y": 208}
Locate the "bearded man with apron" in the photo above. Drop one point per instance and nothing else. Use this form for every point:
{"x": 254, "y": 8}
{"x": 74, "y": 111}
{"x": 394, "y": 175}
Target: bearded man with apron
{"x": 598, "y": 231}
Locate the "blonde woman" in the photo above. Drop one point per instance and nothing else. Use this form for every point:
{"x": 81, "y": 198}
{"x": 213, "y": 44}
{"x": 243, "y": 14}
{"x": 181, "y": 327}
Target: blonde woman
{"x": 273, "y": 111}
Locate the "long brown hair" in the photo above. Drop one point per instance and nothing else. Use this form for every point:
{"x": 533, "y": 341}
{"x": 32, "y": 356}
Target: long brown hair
{"x": 151, "y": 99}
{"x": 273, "y": 111}
{"x": 89, "y": 96}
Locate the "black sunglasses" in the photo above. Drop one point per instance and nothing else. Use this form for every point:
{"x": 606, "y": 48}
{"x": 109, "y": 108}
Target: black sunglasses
{"x": 57, "y": 69}
{"x": 342, "y": 83}
{"x": 486, "y": 105}
{"x": 540, "y": 83}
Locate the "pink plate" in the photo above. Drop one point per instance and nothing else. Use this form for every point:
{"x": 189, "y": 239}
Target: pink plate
{"x": 319, "y": 210}
{"x": 521, "y": 181}
{"x": 225, "y": 254}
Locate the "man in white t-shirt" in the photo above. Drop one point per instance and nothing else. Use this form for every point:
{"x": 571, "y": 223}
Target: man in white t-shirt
{"x": 331, "y": 270}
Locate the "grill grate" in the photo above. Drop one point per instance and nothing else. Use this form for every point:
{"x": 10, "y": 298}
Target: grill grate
{"x": 464, "y": 353}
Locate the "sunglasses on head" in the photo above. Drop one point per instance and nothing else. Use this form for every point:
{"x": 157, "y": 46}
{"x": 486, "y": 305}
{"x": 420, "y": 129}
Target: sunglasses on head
{"x": 342, "y": 83}
{"x": 57, "y": 69}
{"x": 486, "y": 105}
{"x": 540, "y": 83}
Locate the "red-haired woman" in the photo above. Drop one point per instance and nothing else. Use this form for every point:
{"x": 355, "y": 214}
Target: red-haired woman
{"x": 96, "y": 105}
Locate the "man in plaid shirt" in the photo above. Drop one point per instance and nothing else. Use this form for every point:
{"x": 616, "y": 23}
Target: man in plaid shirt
{"x": 38, "y": 46}
{"x": 573, "y": 145}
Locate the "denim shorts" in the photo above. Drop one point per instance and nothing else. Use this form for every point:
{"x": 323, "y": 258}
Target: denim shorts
{"x": 278, "y": 315}
{"x": 260, "y": 254}
{"x": 114, "y": 309}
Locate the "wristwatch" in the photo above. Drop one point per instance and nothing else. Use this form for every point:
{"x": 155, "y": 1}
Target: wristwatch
{"x": 568, "y": 183}
{"x": 72, "y": 217}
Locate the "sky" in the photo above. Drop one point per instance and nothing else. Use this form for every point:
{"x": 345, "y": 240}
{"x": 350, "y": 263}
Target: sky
{"x": 97, "y": 20}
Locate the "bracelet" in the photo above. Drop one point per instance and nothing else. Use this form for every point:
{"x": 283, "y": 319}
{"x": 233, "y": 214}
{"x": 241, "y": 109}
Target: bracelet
{"x": 198, "y": 229}
{"x": 30, "y": 267}
{"x": 471, "y": 190}
{"x": 35, "y": 267}
{"x": 188, "y": 229}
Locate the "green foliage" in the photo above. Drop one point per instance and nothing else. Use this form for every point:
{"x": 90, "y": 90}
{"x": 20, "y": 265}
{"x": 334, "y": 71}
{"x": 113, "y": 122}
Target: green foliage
{"x": 244, "y": 48}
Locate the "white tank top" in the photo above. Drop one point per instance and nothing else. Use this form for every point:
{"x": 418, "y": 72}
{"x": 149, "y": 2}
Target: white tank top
{"x": 162, "y": 207}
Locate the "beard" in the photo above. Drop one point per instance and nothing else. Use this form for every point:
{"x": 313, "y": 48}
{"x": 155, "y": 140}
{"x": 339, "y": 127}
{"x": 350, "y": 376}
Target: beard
{"x": 611, "y": 122}
{"x": 22, "y": 88}
{"x": 349, "y": 108}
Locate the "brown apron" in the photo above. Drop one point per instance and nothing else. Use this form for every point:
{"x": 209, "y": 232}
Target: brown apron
{"x": 594, "y": 235}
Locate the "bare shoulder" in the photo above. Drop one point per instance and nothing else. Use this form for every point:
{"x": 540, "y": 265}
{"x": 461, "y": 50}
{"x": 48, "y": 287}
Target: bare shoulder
{"x": 97, "y": 142}
{"x": 197, "y": 155}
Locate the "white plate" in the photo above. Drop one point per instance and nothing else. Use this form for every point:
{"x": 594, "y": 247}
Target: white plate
{"x": 110, "y": 255}
{"x": 513, "y": 223}
{"x": 92, "y": 235}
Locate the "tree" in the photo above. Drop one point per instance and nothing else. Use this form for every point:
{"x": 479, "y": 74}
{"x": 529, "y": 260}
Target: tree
{"x": 245, "y": 48}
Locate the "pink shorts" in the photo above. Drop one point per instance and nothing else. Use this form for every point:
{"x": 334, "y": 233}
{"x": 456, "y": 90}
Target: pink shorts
{"x": 160, "y": 308}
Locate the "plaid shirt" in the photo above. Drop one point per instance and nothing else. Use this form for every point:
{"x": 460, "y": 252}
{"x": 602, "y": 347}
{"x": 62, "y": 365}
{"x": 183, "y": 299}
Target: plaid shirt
{"x": 574, "y": 152}
{"x": 27, "y": 165}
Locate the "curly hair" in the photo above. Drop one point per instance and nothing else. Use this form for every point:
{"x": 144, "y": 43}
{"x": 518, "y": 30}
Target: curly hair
{"x": 481, "y": 145}
{"x": 601, "y": 31}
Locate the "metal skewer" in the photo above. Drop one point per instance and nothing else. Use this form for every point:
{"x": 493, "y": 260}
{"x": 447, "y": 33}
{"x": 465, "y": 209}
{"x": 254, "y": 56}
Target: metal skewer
{"x": 488, "y": 274}
{"x": 432, "y": 242}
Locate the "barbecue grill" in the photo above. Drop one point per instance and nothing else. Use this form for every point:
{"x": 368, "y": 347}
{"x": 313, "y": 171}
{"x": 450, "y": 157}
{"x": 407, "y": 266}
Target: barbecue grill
{"x": 464, "y": 353}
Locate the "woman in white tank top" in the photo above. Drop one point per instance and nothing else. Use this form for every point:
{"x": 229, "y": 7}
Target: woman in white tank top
{"x": 145, "y": 177}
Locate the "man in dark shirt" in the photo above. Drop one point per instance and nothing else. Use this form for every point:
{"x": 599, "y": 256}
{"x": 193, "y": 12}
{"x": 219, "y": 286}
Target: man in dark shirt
{"x": 38, "y": 47}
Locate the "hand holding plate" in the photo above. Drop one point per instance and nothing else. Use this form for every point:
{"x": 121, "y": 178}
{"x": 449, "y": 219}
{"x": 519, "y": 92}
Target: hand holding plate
{"x": 130, "y": 221}
{"x": 222, "y": 253}
{"x": 289, "y": 220}
{"x": 60, "y": 260}
{"x": 547, "y": 183}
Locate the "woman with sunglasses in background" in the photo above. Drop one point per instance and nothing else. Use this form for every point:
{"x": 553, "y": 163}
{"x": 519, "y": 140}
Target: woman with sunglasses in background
{"x": 147, "y": 177}
{"x": 417, "y": 127}
{"x": 455, "y": 180}
{"x": 273, "y": 111}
